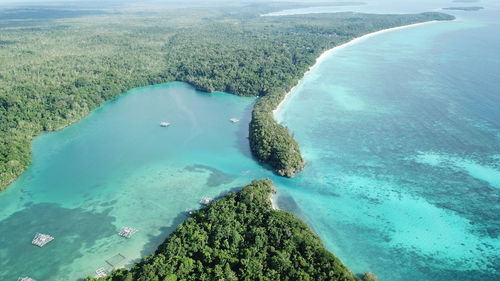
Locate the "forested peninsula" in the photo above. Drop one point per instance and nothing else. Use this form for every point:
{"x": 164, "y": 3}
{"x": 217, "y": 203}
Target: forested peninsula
{"x": 239, "y": 237}
{"x": 59, "y": 63}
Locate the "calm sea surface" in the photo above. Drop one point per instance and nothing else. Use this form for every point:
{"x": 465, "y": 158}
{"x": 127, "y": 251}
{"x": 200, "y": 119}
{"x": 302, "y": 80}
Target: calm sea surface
{"x": 401, "y": 133}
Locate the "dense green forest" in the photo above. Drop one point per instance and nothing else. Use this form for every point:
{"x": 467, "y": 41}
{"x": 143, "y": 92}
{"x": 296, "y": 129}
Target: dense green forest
{"x": 239, "y": 237}
{"x": 57, "y": 64}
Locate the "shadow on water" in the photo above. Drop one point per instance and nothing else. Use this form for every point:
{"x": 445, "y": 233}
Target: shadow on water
{"x": 286, "y": 203}
{"x": 73, "y": 229}
{"x": 155, "y": 241}
{"x": 216, "y": 178}
{"x": 242, "y": 142}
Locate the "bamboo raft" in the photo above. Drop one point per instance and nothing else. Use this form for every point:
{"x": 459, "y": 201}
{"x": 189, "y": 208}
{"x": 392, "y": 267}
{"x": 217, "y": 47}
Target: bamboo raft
{"x": 41, "y": 240}
{"x": 127, "y": 232}
{"x": 101, "y": 272}
{"x": 206, "y": 200}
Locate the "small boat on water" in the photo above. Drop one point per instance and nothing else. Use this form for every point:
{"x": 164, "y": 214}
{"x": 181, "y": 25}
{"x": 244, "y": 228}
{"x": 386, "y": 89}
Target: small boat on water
{"x": 164, "y": 124}
{"x": 234, "y": 120}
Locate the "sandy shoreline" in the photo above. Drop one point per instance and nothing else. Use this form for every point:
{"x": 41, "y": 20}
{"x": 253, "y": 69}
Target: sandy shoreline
{"x": 328, "y": 52}
{"x": 273, "y": 202}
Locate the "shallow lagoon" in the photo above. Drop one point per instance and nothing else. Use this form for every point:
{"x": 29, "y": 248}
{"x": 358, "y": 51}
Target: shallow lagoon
{"x": 116, "y": 168}
{"x": 403, "y": 152}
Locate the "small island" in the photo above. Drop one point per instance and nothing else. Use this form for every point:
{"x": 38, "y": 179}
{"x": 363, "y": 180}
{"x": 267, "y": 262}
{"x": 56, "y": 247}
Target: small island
{"x": 464, "y": 8}
{"x": 239, "y": 237}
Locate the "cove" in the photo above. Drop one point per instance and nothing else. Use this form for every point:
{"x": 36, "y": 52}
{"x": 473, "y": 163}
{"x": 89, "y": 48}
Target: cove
{"x": 118, "y": 167}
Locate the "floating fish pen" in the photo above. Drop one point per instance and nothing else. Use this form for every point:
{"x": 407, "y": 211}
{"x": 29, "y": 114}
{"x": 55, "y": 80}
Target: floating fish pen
{"x": 234, "y": 120}
{"x": 115, "y": 260}
{"x": 206, "y": 200}
{"x": 41, "y": 239}
{"x": 164, "y": 124}
{"x": 127, "y": 232}
{"x": 25, "y": 279}
{"x": 101, "y": 272}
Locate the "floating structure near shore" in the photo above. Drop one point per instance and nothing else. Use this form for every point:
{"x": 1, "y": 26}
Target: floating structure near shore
{"x": 115, "y": 260}
{"x": 164, "y": 124}
{"x": 101, "y": 272}
{"x": 127, "y": 232}
{"x": 206, "y": 200}
{"x": 234, "y": 120}
{"x": 25, "y": 279}
{"x": 41, "y": 239}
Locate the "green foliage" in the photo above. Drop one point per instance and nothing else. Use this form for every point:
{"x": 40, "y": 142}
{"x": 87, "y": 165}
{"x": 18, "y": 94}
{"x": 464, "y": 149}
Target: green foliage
{"x": 239, "y": 237}
{"x": 54, "y": 71}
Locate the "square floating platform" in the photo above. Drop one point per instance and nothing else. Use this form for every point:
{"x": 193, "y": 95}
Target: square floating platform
{"x": 127, "y": 232}
{"x": 101, "y": 272}
{"x": 115, "y": 260}
{"x": 41, "y": 240}
{"x": 206, "y": 200}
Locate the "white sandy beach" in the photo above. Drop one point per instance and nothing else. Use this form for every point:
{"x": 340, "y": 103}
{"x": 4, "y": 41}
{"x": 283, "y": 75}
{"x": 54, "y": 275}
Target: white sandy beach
{"x": 326, "y": 53}
{"x": 273, "y": 202}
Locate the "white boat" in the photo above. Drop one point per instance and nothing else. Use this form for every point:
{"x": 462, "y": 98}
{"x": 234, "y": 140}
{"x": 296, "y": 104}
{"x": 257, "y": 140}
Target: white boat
{"x": 234, "y": 120}
{"x": 164, "y": 124}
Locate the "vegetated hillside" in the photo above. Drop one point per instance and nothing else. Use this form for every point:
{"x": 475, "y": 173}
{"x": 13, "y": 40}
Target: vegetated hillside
{"x": 239, "y": 237}
{"x": 54, "y": 71}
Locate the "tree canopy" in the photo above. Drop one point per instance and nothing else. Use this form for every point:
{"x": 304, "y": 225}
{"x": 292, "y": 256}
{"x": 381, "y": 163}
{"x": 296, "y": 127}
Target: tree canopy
{"x": 239, "y": 237}
{"x": 56, "y": 66}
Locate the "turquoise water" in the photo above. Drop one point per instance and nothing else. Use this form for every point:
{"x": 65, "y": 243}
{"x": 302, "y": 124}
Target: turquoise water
{"x": 116, "y": 168}
{"x": 401, "y": 133}
{"x": 384, "y": 7}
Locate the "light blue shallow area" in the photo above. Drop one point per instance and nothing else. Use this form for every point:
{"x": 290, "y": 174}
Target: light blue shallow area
{"x": 117, "y": 168}
{"x": 401, "y": 133}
